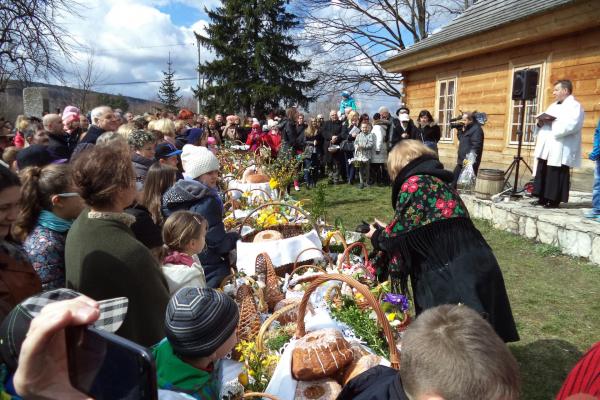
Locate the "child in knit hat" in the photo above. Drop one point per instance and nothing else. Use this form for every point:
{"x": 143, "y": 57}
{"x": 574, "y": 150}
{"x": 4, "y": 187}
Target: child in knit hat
{"x": 197, "y": 192}
{"x": 200, "y": 326}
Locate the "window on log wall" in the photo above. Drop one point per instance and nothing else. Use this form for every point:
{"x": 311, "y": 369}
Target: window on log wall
{"x": 445, "y": 106}
{"x": 531, "y": 110}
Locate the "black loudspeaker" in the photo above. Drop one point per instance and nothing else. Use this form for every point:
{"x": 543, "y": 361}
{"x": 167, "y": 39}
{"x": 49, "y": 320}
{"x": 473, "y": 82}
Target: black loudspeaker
{"x": 525, "y": 84}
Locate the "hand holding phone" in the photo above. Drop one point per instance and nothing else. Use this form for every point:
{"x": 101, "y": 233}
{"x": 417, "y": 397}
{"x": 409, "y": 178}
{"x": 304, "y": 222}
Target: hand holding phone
{"x": 35, "y": 377}
{"x": 106, "y": 366}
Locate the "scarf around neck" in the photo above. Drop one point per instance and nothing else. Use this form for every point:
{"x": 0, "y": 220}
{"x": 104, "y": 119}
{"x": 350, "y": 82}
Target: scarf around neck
{"x": 424, "y": 165}
{"x": 49, "y": 220}
{"x": 178, "y": 258}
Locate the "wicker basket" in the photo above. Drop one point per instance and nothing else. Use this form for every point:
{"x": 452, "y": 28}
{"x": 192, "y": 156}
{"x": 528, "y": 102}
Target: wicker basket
{"x": 263, "y": 395}
{"x": 333, "y": 295}
{"x": 273, "y": 293}
{"x": 362, "y": 289}
{"x": 230, "y": 201}
{"x": 249, "y": 324}
{"x": 260, "y": 337}
{"x": 298, "y": 264}
{"x": 303, "y": 279}
{"x": 258, "y": 293}
{"x": 287, "y": 230}
{"x": 339, "y": 239}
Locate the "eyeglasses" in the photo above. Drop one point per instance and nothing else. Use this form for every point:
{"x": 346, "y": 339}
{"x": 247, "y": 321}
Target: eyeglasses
{"x": 68, "y": 194}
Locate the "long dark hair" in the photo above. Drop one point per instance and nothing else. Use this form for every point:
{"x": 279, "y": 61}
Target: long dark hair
{"x": 425, "y": 113}
{"x": 38, "y": 186}
{"x": 160, "y": 177}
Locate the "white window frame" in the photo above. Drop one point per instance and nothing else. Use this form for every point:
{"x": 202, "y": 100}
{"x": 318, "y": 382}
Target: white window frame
{"x": 530, "y": 121}
{"x": 447, "y": 133}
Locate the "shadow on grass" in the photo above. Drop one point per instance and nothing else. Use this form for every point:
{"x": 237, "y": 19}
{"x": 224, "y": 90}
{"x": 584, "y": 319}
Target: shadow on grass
{"x": 544, "y": 365}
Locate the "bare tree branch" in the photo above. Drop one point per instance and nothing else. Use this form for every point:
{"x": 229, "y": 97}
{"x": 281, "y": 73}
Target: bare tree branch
{"x": 347, "y": 39}
{"x": 31, "y": 40}
{"x": 88, "y": 77}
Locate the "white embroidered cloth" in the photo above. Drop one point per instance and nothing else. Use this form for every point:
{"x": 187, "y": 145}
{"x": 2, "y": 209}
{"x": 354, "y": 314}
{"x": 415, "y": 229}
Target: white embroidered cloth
{"x": 282, "y": 251}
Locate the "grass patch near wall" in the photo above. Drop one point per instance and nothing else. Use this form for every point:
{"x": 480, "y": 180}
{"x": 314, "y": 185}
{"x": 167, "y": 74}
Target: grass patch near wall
{"x": 555, "y": 298}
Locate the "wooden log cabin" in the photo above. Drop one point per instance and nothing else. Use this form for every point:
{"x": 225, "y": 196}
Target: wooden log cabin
{"x": 469, "y": 65}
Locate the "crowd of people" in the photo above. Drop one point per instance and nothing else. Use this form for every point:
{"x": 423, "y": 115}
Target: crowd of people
{"x": 119, "y": 205}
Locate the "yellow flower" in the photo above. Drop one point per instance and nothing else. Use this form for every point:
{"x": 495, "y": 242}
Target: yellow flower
{"x": 243, "y": 379}
{"x": 391, "y": 316}
{"x": 273, "y": 184}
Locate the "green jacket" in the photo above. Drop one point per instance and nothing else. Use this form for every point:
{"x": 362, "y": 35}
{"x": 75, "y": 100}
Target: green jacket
{"x": 104, "y": 260}
{"x": 178, "y": 376}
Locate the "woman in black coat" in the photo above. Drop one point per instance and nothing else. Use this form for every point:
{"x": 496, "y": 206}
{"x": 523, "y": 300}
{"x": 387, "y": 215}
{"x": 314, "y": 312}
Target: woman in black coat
{"x": 427, "y": 131}
{"x": 432, "y": 240}
{"x": 350, "y": 129}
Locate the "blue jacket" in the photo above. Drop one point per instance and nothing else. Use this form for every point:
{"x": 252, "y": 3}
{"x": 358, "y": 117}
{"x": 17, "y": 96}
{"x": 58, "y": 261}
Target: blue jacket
{"x": 345, "y": 103}
{"x": 595, "y": 154}
{"x": 194, "y": 196}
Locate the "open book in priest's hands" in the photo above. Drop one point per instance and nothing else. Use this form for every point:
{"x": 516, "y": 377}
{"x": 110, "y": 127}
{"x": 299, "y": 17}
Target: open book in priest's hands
{"x": 545, "y": 117}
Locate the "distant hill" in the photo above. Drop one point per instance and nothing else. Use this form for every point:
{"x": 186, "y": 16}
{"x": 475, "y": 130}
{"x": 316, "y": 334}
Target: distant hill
{"x": 12, "y": 102}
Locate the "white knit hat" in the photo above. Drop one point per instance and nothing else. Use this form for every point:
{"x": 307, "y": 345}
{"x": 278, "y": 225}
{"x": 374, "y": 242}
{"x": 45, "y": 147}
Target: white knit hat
{"x": 198, "y": 160}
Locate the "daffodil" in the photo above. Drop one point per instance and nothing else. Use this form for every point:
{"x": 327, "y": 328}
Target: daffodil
{"x": 243, "y": 379}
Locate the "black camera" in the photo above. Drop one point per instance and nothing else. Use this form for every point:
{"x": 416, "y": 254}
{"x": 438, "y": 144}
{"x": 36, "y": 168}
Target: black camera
{"x": 456, "y": 123}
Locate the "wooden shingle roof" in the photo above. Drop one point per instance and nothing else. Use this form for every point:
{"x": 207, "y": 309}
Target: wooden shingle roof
{"x": 483, "y": 16}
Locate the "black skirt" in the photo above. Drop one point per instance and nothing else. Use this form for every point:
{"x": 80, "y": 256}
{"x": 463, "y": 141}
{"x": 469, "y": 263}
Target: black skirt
{"x": 551, "y": 184}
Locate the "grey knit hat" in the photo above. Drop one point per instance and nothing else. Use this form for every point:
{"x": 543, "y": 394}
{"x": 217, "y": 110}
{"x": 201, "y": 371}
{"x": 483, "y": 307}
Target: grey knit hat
{"x": 199, "y": 320}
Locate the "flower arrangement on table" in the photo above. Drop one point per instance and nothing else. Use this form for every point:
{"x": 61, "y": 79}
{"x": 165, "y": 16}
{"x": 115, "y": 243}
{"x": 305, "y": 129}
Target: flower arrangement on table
{"x": 361, "y": 321}
{"x": 396, "y": 308}
{"x": 278, "y": 215}
{"x": 258, "y": 366}
{"x": 350, "y": 307}
{"x": 232, "y": 162}
{"x": 283, "y": 169}
{"x": 333, "y": 242}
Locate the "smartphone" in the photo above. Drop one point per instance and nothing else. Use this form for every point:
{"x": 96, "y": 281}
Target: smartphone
{"x": 108, "y": 367}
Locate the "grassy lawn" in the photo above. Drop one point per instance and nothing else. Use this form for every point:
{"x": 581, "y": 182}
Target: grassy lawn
{"x": 555, "y": 298}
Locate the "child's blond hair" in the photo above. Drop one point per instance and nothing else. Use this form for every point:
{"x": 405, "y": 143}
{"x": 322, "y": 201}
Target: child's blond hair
{"x": 181, "y": 228}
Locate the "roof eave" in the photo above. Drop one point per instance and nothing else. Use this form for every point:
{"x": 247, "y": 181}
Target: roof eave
{"x": 573, "y": 18}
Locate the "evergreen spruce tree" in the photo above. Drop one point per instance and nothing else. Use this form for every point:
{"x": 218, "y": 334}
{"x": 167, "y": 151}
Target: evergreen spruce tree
{"x": 168, "y": 94}
{"x": 254, "y": 69}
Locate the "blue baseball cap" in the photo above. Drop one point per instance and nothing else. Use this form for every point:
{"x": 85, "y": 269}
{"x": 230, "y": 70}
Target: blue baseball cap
{"x": 165, "y": 150}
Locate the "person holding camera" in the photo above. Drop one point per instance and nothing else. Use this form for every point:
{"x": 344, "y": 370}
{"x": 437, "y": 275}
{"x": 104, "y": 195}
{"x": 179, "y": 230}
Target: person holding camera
{"x": 470, "y": 140}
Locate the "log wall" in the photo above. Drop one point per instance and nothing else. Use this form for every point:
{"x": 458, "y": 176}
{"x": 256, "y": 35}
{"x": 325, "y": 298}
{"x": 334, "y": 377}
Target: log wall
{"x": 484, "y": 83}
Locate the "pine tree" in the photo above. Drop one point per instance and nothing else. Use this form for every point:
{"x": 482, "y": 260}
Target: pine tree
{"x": 168, "y": 94}
{"x": 254, "y": 69}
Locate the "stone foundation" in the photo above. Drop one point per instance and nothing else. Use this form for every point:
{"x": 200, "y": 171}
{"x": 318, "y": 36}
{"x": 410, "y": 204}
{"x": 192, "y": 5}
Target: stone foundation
{"x": 565, "y": 228}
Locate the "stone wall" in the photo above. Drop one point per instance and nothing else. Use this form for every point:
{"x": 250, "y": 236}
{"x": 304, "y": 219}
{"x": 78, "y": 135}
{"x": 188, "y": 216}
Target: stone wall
{"x": 565, "y": 228}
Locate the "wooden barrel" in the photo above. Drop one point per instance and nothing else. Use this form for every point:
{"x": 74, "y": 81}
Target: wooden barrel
{"x": 489, "y": 182}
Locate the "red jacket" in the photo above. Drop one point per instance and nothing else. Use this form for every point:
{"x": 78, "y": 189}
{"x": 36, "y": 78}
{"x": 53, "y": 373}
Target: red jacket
{"x": 273, "y": 140}
{"x": 255, "y": 139}
{"x": 584, "y": 377}
{"x": 19, "y": 140}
